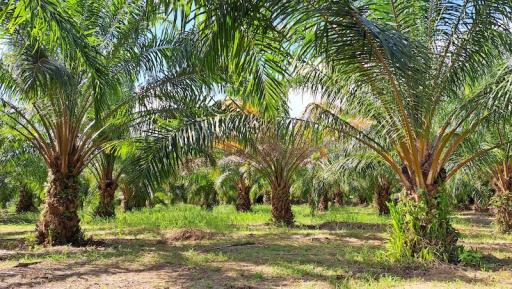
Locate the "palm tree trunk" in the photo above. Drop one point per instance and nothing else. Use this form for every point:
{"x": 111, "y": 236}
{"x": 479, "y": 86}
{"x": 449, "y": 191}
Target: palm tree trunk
{"x": 25, "y": 201}
{"x": 125, "y": 201}
{"x": 338, "y": 198}
{"x": 502, "y": 203}
{"x": 59, "y": 223}
{"x": 243, "y": 200}
{"x": 427, "y": 227}
{"x": 107, "y": 190}
{"x": 281, "y": 206}
{"x": 130, "y": 200}
{"x": 383, "y": 196}
{"x": 323, "y": 203}
{"x": 267, "y": 197}
{"x": 209, "y": 200}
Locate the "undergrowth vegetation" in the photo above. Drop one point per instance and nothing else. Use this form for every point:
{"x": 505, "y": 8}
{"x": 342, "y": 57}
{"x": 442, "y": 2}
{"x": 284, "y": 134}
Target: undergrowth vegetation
{"x": 223, "y": 217}
{"x": 344, "y": 247}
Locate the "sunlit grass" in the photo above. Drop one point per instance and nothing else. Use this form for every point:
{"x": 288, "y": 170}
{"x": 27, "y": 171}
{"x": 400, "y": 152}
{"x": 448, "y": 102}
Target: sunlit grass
{"x": 305, "y": 254}
{"x": 222, "y": 218}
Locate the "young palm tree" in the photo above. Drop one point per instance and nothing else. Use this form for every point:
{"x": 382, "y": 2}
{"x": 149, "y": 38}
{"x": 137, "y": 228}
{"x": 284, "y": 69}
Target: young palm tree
{"x": 24, "y": 168}
{"x": 276, "y": 154}
{"x": 317, "y": 181}
{"x": 428, "y": 73}
{"x": 236, "y": 175}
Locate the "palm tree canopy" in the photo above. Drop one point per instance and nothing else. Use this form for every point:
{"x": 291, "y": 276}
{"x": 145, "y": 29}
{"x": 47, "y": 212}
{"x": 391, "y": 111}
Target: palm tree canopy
{"x": 427, "y": 73}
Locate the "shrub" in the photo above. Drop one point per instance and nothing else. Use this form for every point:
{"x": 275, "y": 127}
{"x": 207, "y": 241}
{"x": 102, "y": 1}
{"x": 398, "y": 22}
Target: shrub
{"x": 422, "y": 230}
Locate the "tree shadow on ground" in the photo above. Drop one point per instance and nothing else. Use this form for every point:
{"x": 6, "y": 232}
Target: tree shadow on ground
{"x": 341, "y": 260}
{"x": 235, "y": 266}
{"x": 327, "y": 254}
{"x": 477, "y": 218}
{"x": 18, "y": 218}
{"x": 173, "y": 267}
{"x": 344, "y": 225}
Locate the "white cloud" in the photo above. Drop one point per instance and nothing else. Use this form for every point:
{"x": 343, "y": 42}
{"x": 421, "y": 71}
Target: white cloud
{"x": 298, "y": 100}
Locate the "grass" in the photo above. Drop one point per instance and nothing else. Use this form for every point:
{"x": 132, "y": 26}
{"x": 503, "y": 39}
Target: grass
{"x": 221, "y": 218}
{"x": 246, "y": 250}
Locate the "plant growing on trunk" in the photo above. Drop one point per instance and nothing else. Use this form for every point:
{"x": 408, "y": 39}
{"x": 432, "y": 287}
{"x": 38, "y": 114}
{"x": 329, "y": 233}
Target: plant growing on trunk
{"x": 57, "y": 124}
{"x": 383, "y": 195}
{"x": 490, "y": 176}
{"x": 25, "y": 201}
{"x": 428, "y": 75}
{"x": 500, "y": 167}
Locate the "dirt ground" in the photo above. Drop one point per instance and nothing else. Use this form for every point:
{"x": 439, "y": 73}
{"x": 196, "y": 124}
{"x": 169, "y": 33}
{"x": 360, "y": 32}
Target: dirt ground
{"x": 331, "y": 255}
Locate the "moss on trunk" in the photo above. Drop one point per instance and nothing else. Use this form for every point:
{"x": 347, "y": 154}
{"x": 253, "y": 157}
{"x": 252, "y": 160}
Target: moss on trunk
{"x": 59, "y": 223}
{"x": 243, "y": 200}
{"x": 281, "y": 206}
{"x": 107, "y": 190}
{"x": 25, "y": 201}
{"x": 383, "y": 196}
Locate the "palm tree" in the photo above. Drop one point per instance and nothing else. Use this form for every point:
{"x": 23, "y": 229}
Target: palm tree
{"x": 496, "y": 168}
{"x": 276, "y": 154}
{"x": 359, "y": 163}
{"x": 24, "y": 168}
{"x": 501, "y": 181}
{"x": 57, "y": 97}
{"x": 318, "y": 181}
{"x": 236, "y": 175}
{"x": 248, "y": 52}
{"x": 428, "y": 73}
{"x": 502, "y": 200}
{"x": 107, "y": 177}
{"x": 57, "y": 125}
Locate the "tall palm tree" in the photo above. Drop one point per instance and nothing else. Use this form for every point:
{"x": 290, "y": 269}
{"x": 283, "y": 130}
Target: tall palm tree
{"x": 249, "y": 53}
{"x": 60, "y": 99}
{"x": 428, "y": 73}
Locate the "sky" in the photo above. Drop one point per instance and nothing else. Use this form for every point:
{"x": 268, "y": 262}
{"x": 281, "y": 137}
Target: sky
{"x": 298, "y": 100}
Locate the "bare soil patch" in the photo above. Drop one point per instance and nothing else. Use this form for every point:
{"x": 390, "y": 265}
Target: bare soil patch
{"x": 190, "y": 235}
